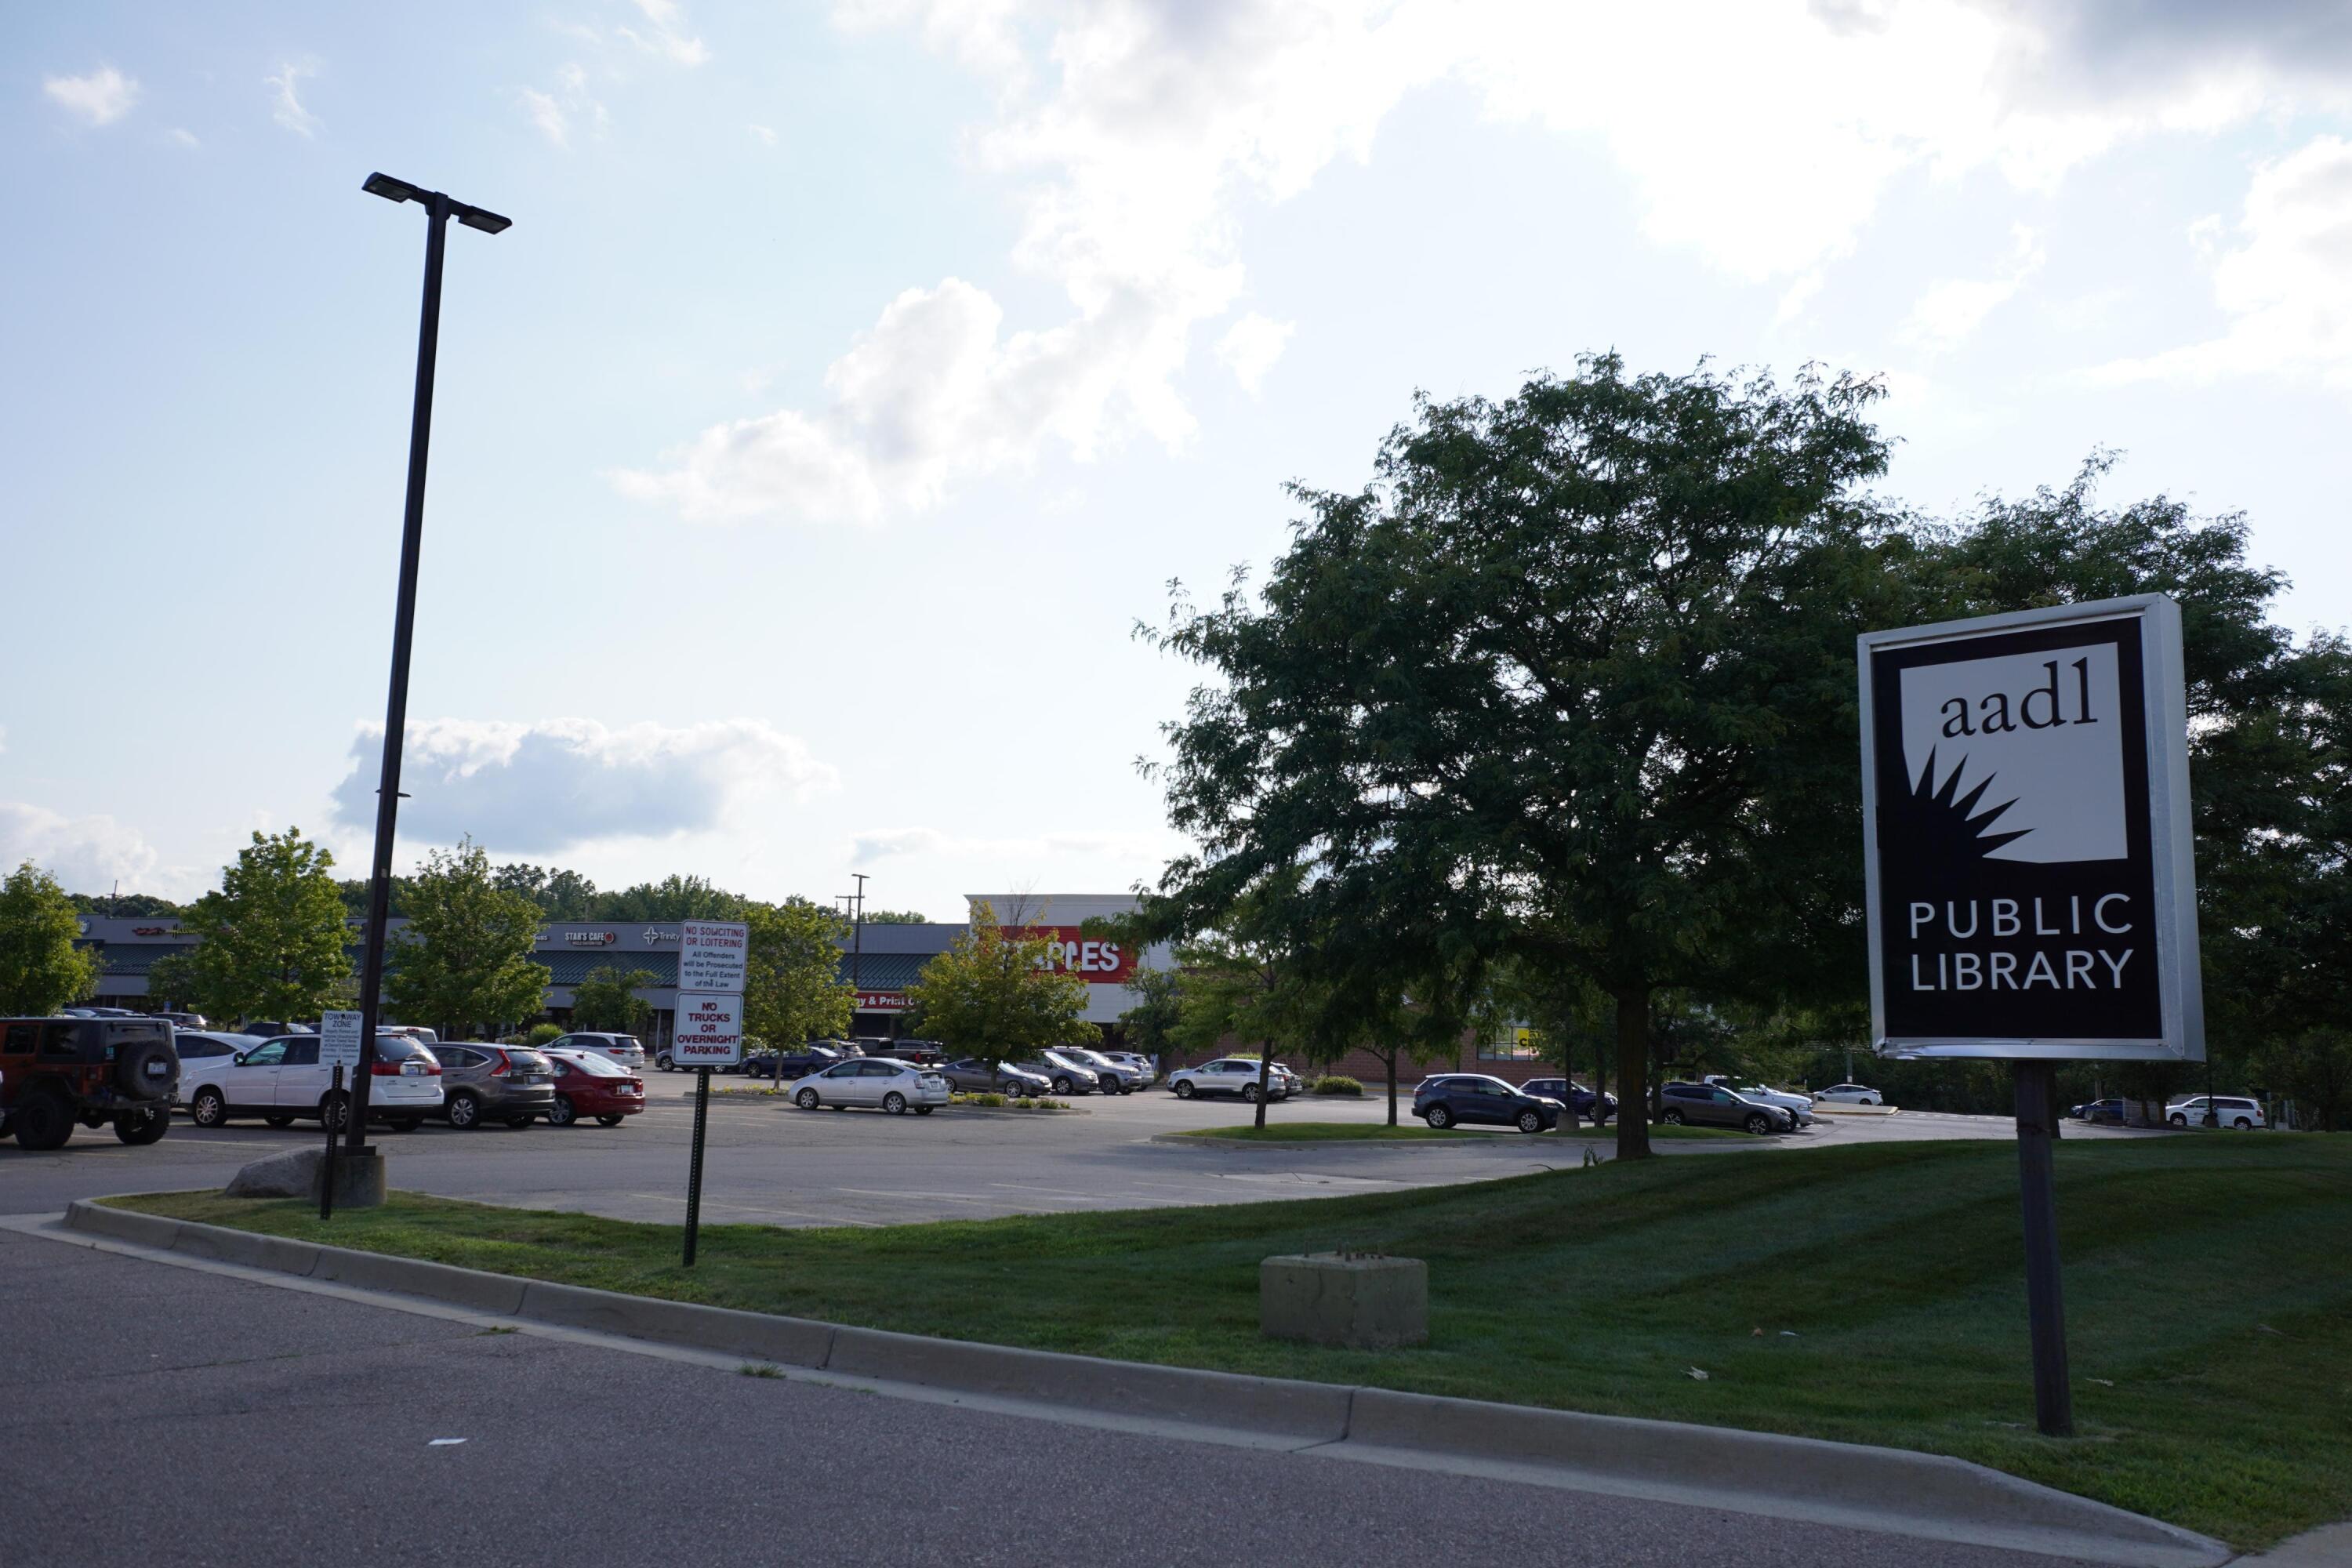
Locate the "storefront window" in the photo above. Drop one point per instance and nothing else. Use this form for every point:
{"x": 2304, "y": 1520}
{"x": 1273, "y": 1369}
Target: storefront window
{"x": 1518, "y": 1044}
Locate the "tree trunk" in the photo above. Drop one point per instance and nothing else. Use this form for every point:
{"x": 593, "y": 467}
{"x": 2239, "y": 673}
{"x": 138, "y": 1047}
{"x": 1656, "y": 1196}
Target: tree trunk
{"x": 1566, "y": 1125}
{"x": 1264, "y": 1077}
{"x": 1633, "y": 1073}
{"x": 1392, "y": 1057}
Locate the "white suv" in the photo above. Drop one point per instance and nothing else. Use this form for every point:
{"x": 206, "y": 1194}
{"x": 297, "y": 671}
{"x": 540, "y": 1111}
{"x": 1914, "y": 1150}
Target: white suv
{"x": 625, "y": 1049}
{"x": 1228, "y": 1075}
{"x": 2235, "y": 1112}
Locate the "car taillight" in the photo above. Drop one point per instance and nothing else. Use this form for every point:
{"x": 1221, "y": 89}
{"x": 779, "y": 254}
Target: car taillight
{"x": 505, "y": 1064}
{"x": 384, "y": 1069}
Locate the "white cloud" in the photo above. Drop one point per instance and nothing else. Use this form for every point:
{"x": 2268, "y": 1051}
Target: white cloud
{"x": 179, "y": 136}
{"x": 2285, "y": 285}
{"x": 668, "y": 38}
{"x": 1136, "y": 134}
{"x": 1949, "y": 313}
{"x": 555, "y": 113}
{"x": 548, "y": 115}
{"x": 288, "y": 109}
{"x": 87, "y": 854}
{"x": 764, "y": 135}
{"x": 1250, "y": 347}
{"x": 522, "y": 789}
{"x": 102, "y": 98}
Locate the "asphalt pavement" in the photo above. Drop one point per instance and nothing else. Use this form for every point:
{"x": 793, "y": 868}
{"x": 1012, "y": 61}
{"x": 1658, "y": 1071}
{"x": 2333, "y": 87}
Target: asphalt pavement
{"x": 770, "y": 1162}
{"x": 174, "y": 1415}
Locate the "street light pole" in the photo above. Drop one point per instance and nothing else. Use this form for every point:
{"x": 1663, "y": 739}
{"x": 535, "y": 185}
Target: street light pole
{"x": 857, "y": 948}
{"x": 439, "y": 209}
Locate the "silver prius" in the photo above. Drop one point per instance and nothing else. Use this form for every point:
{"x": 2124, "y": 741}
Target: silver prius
{"x": 883, "y": 1082}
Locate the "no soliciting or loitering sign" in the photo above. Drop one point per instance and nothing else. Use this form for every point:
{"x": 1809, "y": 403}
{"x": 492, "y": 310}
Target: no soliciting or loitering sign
{"x": 2027, "y": 845}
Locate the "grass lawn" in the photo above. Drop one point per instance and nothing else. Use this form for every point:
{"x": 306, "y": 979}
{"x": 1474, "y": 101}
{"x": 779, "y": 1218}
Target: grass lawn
{"x": 1357, "y": 1131}
{"x": 2208, "y": 1298}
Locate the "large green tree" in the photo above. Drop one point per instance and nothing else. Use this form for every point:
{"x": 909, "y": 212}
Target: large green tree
{"x": 792, "y": 988}
{"x": 673, "y": 897}
{"x": 270, "y": 941}
{"x": 463, "y": 961}
{"x": 994, "y": 995}
{"x": 1574, "y": 679}
{"x": 607, "y": 999}
{"x": 40, "y": 969}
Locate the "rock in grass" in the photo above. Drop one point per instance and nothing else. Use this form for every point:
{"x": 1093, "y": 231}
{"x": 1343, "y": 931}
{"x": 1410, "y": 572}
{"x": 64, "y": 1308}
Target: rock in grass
{"x": 293, "y": 1174}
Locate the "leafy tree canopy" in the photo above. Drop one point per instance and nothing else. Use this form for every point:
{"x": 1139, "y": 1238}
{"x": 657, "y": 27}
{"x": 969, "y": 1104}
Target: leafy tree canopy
{"x": 993, "y": 995}
{"x": 40, "y": 969}
{"x": 271, "y": 938}
{"x": 463, "y": 961}
{"x": 791, "y": 985}
{"x": 607, "y": 999}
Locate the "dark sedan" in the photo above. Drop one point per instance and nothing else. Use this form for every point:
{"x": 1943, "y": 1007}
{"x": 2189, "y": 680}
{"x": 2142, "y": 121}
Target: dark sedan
{"x": 976, "y": 1077}
{"x": 1474, "y": 1099}
{"x": 2109, "y": 1111}
{"x": 1574, "y": 1094}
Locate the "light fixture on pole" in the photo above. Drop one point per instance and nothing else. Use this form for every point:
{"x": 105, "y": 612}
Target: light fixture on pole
{"x": 439, "y": 209}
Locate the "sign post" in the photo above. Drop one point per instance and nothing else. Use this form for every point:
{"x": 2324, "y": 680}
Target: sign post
{"x": 2028, "y": 859}
{"x": 338, "y": 1047}
{"x": 708, "y": 1030}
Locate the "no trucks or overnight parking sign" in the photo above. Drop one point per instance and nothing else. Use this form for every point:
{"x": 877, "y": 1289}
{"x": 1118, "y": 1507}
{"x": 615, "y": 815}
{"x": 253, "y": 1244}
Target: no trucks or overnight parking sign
{"x": 2025, "y": 803}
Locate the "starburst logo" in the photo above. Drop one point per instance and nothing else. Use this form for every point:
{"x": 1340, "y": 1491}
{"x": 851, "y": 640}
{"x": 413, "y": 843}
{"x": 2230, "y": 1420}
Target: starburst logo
{"x": 1942, "y": 820}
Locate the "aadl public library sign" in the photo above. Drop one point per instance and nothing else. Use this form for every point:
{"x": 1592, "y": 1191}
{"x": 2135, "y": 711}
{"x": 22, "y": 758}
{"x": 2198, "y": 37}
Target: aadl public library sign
{"x": 2027, "y": 846}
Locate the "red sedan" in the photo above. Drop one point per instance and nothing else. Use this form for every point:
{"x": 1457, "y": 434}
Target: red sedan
{"x": 587, "y": 1084}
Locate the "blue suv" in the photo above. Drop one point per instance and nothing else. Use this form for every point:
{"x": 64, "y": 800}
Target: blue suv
{"x": 1574, "y": 1094}
{"x": 1474, "y": 1099}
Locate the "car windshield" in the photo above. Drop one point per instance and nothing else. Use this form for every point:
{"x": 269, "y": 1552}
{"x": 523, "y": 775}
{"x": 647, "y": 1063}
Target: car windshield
{"x": 626, "y": 1042}
{"x": 595, "y": 1066}
{"x": 526, "y": 1062}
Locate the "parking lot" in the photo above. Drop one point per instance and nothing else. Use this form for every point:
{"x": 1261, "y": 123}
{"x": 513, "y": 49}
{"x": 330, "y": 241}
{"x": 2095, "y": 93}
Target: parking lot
{"x": 769, "y": 1164}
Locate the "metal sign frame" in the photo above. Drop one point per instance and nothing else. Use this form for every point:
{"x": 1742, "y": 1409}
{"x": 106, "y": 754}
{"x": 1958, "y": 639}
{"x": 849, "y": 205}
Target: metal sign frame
{"x": 2172, "y": 866}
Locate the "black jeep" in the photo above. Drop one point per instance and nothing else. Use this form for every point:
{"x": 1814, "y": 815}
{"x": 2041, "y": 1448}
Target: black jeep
{"x": 55, "y": 1072}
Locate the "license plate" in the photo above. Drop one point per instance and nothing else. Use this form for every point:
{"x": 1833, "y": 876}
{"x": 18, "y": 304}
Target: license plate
{"x": 154, "y": 1070}
{"x": 530, "y": 1077}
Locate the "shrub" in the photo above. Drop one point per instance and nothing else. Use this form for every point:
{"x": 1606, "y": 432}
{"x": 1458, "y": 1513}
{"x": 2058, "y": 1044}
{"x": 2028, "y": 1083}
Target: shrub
{"x": 1334, "y": 1083}
{"x": 540, "y": 1033}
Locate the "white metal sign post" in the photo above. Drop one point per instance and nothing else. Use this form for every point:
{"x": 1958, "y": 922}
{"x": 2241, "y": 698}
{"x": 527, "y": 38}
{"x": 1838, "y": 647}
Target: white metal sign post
{"x": 2028, "y": 859}
{"x": 339, "y": 1039}
{"x": 708, "y": 1029}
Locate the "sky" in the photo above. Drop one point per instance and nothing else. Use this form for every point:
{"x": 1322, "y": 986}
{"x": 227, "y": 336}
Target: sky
{"x": 856, "y": 377}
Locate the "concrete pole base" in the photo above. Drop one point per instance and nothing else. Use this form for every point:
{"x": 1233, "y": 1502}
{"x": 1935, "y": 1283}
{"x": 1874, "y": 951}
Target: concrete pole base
{"x": 1345, "y": 1298}
{"x": 359, "y": 1178}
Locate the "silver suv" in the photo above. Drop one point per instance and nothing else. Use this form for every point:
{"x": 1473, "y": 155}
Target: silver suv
{"x": 494, "y": 1083}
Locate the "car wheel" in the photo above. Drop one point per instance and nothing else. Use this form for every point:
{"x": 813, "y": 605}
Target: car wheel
{"x": 925, "y": 1110}
{"x": 805, "y": 1099}
{"x": 1249, "y": 1093}
{"x": 1064, "y": 1086}
{"x": 1439, "y": 1118}
{"x": 146, "y": 1126}
{"x": 1530, "y": 1121}
{"x": 663, "y": 1062}
{"x": 609, "y": 1120}
{"x": 2242, "y": 1124}
{"x": 209, "y": 1109}
{"x": 2178, "y": 1119}
{"x": 895, "y": 1103}
{"x": 43, "y": 1122}
{"x": 334, "y": 1109}
{"x": 1672, "y": 1118}
{"x": 563, "y": 1113}
{"x": 1760, "y": 1124}
{"x": 465, "y": 1109}
{"x": 278, "y": 1121}
{"x": 1184, "y": 1089}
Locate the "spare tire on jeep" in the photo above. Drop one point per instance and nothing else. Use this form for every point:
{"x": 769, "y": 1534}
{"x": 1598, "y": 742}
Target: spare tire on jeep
{"x": 146, "y": 1068}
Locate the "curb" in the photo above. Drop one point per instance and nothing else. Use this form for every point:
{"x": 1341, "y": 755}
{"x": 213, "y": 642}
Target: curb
{"x": 1896, "y": 1490}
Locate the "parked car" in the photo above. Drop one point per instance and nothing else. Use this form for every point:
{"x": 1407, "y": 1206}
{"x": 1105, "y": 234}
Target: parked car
{"x": 922, "y": 1053}
{"x": 270, "y": 1029}
{"x": 590, "y": 1083}
{"x": 281, "y": 1080}
{"x": 1071, "y": 1074}
{"x": 976, "y": 1077}
{"x": 183, "y": 1020}
{"x": 1117, "y": 1075}
{"x": 1568, "y": 1092}
{"x": 195, "y": 1045}
{"x": 1712, "y": 1105}
{"x": 1800, "y": 1104}
{"x": 785, "y": 1066}
{"x": 1850, "y": 1094}
{"x": 494, "y": 1083}
{"x": 885, "y": 1082}
{"x": 2110, "y": 1112}
{"x": 627, "y": 1051}
{"x": 1148, "y": 1075}
{"x": 1475, "y": 1099}
{"x": 1226, "y": 1075}
{"x": 2235, "y": 1112}
{"x": 56, "y": 1072}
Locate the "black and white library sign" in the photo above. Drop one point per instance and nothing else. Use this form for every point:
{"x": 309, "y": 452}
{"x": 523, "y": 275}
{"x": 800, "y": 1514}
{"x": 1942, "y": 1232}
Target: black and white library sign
{"x": 2027, "y": 847}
